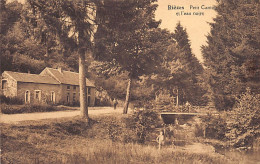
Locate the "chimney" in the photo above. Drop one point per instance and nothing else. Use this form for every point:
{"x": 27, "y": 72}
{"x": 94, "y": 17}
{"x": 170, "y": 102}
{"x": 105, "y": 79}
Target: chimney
{"x": 60, "y": 69}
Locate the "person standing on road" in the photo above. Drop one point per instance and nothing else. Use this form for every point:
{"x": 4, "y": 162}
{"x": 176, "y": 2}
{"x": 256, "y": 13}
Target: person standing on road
{"x": 115, "y": 103}
{"x": 160, "y": 139}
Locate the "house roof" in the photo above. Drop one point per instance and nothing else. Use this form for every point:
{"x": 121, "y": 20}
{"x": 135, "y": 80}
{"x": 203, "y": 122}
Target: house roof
{"x": 31, "y": 78}
{"x": 67, "y": 77}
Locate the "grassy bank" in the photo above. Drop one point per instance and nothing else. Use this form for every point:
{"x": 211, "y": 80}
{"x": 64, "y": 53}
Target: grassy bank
{"x": 73, "y": 141}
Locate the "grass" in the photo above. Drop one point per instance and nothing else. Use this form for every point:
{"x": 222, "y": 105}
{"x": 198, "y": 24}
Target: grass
{"x": 71, "y": 140}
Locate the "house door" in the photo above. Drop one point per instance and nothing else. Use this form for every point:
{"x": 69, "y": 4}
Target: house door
{"x": 27, "y": 97}
{"x": 68, "y": 97}
{"x": 53, "y": 97}
{"x": 89, "y": 100}
{"x": 88, "y": 95}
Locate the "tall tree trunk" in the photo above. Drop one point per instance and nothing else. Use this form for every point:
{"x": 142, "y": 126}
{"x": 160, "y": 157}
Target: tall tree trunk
{"x": 82, "y": 85}
{"x": 127, "y": 95}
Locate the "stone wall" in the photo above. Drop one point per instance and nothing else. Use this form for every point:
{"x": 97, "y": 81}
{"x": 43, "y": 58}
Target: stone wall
{"x": 75, "y": 91}
{"x": 45, "y": 92}
{"x": 10, "y": 89}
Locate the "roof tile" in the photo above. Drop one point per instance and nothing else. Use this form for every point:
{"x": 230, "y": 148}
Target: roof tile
{"x": 64, "y": 77}
{"x": 68, "y": 77}
{"x": 32, "y": 78}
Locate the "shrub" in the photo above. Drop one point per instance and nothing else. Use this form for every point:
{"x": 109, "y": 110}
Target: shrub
{"x": 243, "y": 121}
{"x": 111, "y": 127}
{"x": 215, "y": 126}
{"x": 73, "y": 104}
{"x": 183, "y": 108}
{"x": 223, "y": 102}
{"x": 9, "y": 109}
{"x": 143, "y": 122}
{"x": 241, "y": 125}
{"x": 102, "y": 102}
{"x": 76, "y": 104}
{"x": 28, "y": 108}
{"x": 37, "y": 108}
{"x": 164, "y": 100}
{"x": 10, "y": 100}
{"x": 114, "y": 129}
{"x": 198, "y": 131}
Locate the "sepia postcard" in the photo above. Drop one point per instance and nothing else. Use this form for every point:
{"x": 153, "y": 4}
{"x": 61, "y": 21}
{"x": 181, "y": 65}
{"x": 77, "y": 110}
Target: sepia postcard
{"x": 129, "y": 81}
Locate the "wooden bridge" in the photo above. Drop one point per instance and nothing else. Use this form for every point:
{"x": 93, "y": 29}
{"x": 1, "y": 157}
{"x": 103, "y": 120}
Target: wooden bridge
{"x": 170, "y": 117}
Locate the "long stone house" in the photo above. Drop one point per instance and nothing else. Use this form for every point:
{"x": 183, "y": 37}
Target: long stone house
{"x": 54, "y": 86}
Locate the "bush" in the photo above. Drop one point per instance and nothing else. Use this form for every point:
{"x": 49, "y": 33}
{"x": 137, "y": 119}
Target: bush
{"x": 102, "y": 102}
{"x": 143, "y": 122}
{"x": 198, "y": 131}
{"x": 164, "y": 101}
{"x": 223, "y": 102}
{"x": 10, "y": 100}
{"x": 183, "y": 108}
{"x": 30, "y": 108}
{"x": 114, "y": 129}
{"x": 215, "y": 126}
{"x": 9, "y": 109}
{"x": 37, "y": 108}
{"x": 75, "y": 104}
{"x": 243, "y": 121}
{"x": 240, "y": 126}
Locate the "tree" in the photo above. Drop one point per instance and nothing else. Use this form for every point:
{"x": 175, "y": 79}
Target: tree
{"x": 232, "y": 53}
{"x": 184, "y": 48}
{"x": 179, "y": 71}
{"x": 191, "y": 68}
{"x": 73, "y": 23}
{"x": 9, "y": 15}
{"x": 130, "y": 38}
{"x": 23, "y": 46}
{"x": 55, "y": 53}
{"x": 243, "y": 122}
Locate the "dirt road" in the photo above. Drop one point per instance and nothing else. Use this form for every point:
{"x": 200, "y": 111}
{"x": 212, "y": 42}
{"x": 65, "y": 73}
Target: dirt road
{"x": 16, "y": 118}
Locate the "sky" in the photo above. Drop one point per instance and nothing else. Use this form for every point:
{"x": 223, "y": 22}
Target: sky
{"x": 196, "y": 25}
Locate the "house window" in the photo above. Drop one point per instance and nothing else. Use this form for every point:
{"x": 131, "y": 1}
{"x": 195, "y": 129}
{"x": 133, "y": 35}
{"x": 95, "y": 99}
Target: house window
{"x": 27, "y": 97}
{"x": 68, "y": 87}
{"x": 74, "y": 97}
{"x": 37, "y": 95}
{"x": 74, "y": 87}
{"x": 88, "y": 100}
{"x": 68, "y": 97}
{"x": 89, "y": 93}
{"x": 4, "y": 83}
{"x": 53, "y": 96}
